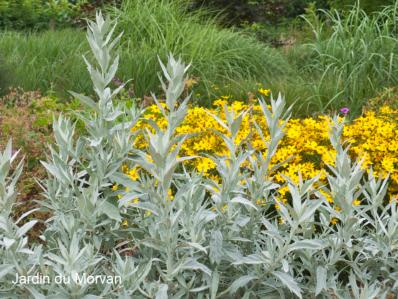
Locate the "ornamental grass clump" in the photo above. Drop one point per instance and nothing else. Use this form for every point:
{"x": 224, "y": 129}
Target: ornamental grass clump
{"x": 164, "y": 230}
{"x": 354, "y": 56}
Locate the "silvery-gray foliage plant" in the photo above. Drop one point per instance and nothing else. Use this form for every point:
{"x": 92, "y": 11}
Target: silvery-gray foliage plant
{"x": 15, "y": 253}
{"x": 173, "y": 233}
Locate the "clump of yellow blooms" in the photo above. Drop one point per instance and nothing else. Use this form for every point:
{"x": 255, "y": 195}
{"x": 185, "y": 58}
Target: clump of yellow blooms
{"x": 372, "y": 137}
{"x": 264, "y": 92}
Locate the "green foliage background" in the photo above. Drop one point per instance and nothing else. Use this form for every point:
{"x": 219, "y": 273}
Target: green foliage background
{"x": 272, "y": 47}
{"x": 36, "y": 14}
{"x": 41, "y": 14}
{"x": 276, "y": 11}
{"x": 367, "y": 5}
{"x": 268, "y": 11}
{"x": 44, "y": 14}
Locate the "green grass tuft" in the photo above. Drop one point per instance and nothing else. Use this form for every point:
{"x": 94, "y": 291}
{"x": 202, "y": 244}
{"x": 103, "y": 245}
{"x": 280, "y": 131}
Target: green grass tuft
{"x": 48, "y": 60}
{"x": 354, "y": 55}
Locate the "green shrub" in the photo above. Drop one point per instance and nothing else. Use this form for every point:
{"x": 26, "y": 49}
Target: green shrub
{"x": 44, "y": 14}
{"x": 37, "y": 14}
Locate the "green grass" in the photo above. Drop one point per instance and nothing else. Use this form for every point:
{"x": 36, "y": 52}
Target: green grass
{"x": 349, "y": 58}
{"x": 224, "y": 61}
{"x": 352, "y": 57}
{"x": 218, "y": 56}
{"x": 45, "y": 61}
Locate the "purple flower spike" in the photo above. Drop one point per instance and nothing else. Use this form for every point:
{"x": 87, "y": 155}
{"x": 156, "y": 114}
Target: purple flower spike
{"x": 344, "y": 110}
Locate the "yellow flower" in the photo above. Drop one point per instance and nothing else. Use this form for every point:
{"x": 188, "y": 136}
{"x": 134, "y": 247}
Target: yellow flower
{"x": 170, "y": 194}
{"x": 114, "y": 187}
{"x": 220, "y": 102}
{"x": 327, "y": 195}
{"x": 215, "y": 189}
{"x": 264, "y": 92}
{"x": 125, "y": 222}
{"x": 334, "y": 221}
{"x": 205, "y": 165}
{"x": 372, "y": 137}
{"x": 388, "y": 163}
{"x": 133, "y": 174}
{"x": 356, "y": 202}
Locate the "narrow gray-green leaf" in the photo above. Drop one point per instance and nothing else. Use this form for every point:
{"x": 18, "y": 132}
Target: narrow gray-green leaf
{"x": 289, "y": 282}
{"x": 241, "y": 282}
{"x": 321, "y": 274}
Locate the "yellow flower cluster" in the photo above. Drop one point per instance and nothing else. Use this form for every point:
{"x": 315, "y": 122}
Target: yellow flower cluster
{"x": 372, "y": 137}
